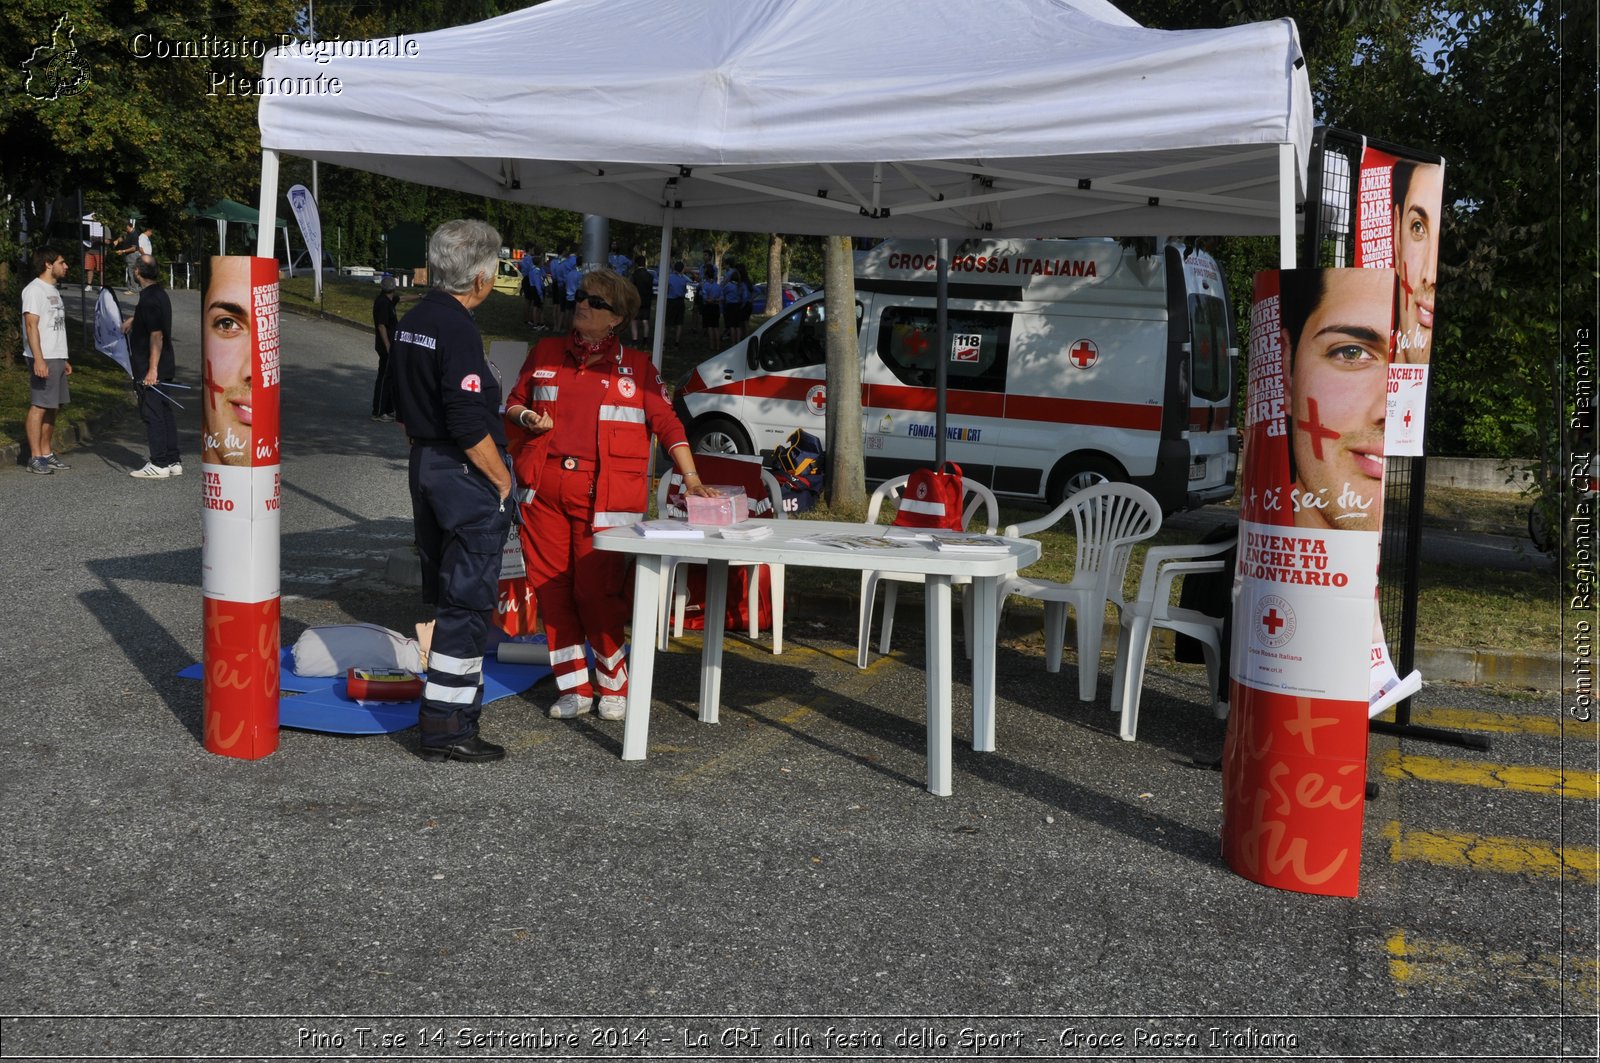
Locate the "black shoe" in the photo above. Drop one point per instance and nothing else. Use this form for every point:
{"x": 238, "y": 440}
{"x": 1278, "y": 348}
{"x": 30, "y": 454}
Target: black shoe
{"x": 473, "y": 750}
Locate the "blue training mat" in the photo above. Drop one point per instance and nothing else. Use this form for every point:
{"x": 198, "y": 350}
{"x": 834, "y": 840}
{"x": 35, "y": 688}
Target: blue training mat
{"x": 320, "y": 703}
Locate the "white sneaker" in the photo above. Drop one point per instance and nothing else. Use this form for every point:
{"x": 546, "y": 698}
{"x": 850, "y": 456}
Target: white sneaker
{"x": 613, "y": 706}
{"x": 150, "y": 471}
{"x": 569, "y": 705}
{"x": 175, "y": 469}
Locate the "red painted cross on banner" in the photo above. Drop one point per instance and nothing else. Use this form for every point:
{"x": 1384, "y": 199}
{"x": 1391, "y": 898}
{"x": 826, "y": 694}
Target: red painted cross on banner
{"x": 1312, "y": 426}
{"x": 1272, "y": 621}
{"x": 1084, "y": 354}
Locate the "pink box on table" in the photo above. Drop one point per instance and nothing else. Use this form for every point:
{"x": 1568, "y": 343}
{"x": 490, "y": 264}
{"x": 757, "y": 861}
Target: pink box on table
{"x": 729, "y": 505}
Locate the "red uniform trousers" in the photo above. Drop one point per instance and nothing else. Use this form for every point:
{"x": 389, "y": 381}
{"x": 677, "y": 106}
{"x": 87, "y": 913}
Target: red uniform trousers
{"x": 582, "y": 593}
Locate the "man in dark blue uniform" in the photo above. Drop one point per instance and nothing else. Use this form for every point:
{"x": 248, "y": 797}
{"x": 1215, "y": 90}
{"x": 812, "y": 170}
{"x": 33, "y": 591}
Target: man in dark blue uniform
{"x": 449, "y": 401}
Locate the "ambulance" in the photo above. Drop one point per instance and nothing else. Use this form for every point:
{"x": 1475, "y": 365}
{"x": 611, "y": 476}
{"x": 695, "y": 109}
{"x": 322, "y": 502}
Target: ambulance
{"x": 1069, "y": 362}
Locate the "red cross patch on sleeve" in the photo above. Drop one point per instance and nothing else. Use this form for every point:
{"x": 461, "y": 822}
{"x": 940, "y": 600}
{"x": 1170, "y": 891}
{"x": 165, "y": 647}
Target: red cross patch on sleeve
{"x": 471, "y": 382}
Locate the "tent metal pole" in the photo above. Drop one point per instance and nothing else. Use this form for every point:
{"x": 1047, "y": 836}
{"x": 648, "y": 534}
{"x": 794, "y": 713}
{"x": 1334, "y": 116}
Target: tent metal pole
{"x": 267, "y": 222}
{"x": 1288, "y": 178}
{"x": 658, "y": 327}
{"x": 941, "y": 357}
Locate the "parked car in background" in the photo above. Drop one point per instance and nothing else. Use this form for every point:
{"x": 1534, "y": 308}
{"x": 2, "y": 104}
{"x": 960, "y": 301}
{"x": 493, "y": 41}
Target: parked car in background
{"x": 508, "y": 278}
{"x": 791, "y": 292}
{"x": 302, "y": 263}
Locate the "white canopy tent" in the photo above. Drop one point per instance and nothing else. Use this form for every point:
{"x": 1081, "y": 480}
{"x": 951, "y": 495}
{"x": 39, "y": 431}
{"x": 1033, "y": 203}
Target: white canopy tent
{"x": 948, "y": 118}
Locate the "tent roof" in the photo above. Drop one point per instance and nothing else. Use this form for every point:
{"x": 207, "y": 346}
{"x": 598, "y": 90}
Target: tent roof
{"x": 230, "y": 211}
{"x": 943, "y": 117}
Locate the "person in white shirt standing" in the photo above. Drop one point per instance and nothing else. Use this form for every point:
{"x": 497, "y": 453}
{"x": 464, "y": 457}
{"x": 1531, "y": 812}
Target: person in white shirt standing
{"x": 44, "y": 338}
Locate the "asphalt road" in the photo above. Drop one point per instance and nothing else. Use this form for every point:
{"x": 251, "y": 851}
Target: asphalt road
{"x": 783, "y": 870}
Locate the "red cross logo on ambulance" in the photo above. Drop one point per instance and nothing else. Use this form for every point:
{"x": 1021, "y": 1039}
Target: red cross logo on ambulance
{"x": 817, "y": 400}
{"x": 1083, "y": 354}
{"x": 471, "y": 382}
{"x": 626, "y": 387}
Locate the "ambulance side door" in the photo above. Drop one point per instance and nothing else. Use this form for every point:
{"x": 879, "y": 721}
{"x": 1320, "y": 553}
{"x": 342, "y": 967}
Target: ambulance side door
{"x": 786, "y": 388}
{"x": 899, "y": 395}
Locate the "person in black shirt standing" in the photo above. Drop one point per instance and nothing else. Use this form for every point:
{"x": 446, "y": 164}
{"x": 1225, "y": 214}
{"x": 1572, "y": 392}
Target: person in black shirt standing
{"x": 460, "y": 480}
{"x": 384, "y": 323}
{"x": 150, "y": 355}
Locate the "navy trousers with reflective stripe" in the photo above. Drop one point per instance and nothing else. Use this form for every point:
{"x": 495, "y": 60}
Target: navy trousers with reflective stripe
{"x": 461, "y": 527}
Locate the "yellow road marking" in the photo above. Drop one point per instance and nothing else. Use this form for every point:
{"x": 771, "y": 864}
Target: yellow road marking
{"x": 1523, "y": 778}
{"x": 1415, "y": 963}
{"x": 742, "y": 646}
{"x": 1477, "y": 852}
{"x": 757, "y": 743}
{"x": 1506, "y": 723}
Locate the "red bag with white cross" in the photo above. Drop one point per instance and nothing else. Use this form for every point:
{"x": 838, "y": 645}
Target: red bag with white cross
{"x": 932, "y": 499}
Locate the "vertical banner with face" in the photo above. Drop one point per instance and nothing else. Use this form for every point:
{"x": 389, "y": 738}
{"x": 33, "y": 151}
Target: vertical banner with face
{"x": 1397, "y": 227}
{"x": 240, "y": 480}
{"x": 1294, "y": 765}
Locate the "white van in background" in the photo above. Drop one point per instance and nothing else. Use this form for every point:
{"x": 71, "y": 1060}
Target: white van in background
{"x": 1069, "y": 362}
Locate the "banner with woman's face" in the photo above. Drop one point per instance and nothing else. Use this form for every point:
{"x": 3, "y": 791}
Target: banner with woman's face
{"x": 241, "y": 490}
{"x": 1398, "y": 222}
{"x": 239, "y": 342}
{"x": 1309, "y": 534}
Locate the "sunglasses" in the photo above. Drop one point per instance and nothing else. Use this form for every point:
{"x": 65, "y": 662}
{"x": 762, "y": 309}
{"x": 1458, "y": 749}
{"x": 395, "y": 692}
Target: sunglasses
{"x": 594, "y": 301}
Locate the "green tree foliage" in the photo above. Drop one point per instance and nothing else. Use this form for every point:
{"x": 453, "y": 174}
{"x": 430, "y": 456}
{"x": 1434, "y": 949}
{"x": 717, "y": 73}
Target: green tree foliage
{"x": 147, "y": 107}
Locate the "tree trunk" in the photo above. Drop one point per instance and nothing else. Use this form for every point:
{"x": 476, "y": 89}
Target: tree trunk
{"x": 775, "y": 275}
{"x": 846, "y": 472}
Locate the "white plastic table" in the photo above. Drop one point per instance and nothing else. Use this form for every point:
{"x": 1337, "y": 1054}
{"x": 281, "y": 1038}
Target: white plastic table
{"x": 789, "y": 545}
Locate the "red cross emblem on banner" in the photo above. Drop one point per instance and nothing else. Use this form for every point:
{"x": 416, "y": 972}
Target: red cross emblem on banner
{"x": 1084, "y": 354}
{"x": 1276, "y": 621}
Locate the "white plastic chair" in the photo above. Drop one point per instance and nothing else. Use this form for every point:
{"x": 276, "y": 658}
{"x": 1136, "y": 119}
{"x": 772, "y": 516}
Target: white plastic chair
{"x": 1109, "y": 518}
{"x": 974, "y": 496}
{"x": 1153, "y": 609}
{"x": 677, "y": 581}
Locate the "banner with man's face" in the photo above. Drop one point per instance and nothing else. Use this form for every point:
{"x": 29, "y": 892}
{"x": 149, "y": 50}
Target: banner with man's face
{"x": 1305, "y": 610}
{"x": 241, "y": 491}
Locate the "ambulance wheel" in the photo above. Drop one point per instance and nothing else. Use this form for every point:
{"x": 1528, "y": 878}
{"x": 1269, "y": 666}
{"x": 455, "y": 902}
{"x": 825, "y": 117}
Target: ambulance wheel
{"x": 718, "y": 435}
{"x": 1077, "y": 471}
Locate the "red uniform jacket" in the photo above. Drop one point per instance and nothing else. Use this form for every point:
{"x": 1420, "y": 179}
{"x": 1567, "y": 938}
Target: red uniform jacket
{"x": 636, "y": 406}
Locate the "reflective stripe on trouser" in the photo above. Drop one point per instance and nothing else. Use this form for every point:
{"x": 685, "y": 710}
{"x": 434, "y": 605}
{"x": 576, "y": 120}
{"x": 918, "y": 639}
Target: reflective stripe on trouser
{"x": 568, "y": 664}
{"x": 460, "y": 527}
{"x": 583, "y": 593}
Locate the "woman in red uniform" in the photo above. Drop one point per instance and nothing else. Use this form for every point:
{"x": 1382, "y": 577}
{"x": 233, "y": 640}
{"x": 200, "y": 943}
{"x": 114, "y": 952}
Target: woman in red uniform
{"x": 581, "y": 416}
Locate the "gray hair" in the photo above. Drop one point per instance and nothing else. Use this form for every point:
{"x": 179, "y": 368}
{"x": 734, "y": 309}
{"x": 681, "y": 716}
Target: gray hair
{"x": 459, "y": 251}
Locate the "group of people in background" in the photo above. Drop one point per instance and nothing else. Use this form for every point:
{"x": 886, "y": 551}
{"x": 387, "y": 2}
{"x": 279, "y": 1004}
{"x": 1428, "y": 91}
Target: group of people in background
{"x": 724, "y": 305}
{"x": 151, "y": 359}
{"x": 550, "y": 284}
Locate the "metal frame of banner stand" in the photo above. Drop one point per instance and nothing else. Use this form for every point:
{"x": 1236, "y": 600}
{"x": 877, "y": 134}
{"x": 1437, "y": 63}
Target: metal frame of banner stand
{"x": 1329, "y": 243}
